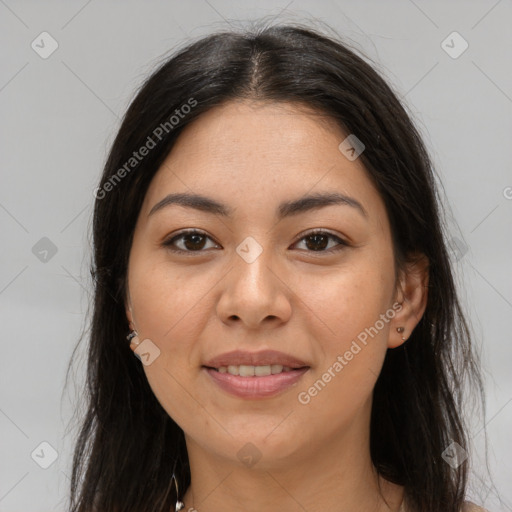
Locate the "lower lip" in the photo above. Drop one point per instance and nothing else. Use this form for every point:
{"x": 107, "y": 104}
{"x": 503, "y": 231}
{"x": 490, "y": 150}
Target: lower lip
{"x": 256, "y": 387}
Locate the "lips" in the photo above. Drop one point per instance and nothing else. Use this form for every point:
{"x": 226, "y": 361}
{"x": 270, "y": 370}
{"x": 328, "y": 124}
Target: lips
{"x": 254, "y": 388}
{"x": 262, "y": 358}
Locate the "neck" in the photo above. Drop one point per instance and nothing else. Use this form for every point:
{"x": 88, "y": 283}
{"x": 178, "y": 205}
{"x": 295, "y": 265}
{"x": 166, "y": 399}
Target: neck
{"x": 334, "y": 473}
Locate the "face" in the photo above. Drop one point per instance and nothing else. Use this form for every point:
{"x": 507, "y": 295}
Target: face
{"x": 264, "y": 271}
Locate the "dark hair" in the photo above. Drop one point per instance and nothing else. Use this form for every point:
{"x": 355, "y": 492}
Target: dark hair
{"x": 128, "y": 447}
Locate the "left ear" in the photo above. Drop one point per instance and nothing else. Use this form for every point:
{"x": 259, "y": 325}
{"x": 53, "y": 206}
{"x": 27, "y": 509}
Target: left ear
{"x": 412, "y": 294}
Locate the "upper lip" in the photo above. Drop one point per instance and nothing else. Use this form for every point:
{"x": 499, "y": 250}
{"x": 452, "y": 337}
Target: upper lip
{"x": 262, "y": 358}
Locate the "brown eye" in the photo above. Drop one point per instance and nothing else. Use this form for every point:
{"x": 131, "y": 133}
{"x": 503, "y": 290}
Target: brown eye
{"x": 196, "y": 241}
{"x": 191, "y": 241}
{"x": 317, "y": 241}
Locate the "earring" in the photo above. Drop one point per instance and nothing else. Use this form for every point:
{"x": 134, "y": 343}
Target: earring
{"x": 179, "y": 504}
{"x": 401, "y": 330}
{"x": 133, "y": 337}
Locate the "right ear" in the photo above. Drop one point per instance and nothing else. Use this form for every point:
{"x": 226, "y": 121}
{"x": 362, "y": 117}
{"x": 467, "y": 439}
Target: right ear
{"x": 130, "y": 318}
{"x": 129, "y": 315}
{"x": 128, "y": 309}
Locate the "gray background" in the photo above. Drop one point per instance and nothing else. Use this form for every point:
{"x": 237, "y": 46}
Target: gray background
{"x": 59, "y": 115}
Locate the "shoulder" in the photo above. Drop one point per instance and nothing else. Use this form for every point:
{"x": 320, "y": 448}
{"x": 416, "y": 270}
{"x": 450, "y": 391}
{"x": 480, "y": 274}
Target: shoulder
{"x": 471, "y": 507}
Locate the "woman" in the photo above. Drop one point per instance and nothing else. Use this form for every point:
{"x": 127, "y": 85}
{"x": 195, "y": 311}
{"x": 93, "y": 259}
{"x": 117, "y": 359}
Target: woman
{"x": 267, "y": 241}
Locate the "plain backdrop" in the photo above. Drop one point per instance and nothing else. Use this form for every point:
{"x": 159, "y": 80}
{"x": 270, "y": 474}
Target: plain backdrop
{"x": 59, "y": 113}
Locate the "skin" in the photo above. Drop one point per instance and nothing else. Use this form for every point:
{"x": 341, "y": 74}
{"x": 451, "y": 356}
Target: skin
{"x": 312, "y": 304}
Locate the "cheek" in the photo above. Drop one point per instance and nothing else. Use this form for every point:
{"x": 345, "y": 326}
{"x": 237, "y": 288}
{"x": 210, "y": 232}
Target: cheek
{"x": 352, "y": 319}
{"x": 169, "y": 305}
{"x": 167, "y": 301}
{"x": 344, "y": 304}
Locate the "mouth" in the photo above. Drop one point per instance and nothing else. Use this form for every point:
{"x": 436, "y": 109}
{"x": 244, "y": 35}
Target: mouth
{"x": 255, "y": 381}
{"x": 245, "y": 363}
{"x": 255, "y": 375}
{"x": 244, "y": 370}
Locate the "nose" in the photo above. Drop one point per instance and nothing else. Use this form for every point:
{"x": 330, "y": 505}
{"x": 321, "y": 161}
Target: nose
{"x": 255, "y": 292}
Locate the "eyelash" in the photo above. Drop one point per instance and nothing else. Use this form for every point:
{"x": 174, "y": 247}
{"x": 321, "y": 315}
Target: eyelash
{"x": 169, "y": 243}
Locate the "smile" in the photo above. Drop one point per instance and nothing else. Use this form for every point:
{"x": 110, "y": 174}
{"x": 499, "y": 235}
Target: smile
{"x": 255, "y": 382}
{"x": 253, "y": 371}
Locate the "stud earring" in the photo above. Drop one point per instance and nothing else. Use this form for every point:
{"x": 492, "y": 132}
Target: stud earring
{"x": 401, "y": 330}
{"x": 133, "y": 337}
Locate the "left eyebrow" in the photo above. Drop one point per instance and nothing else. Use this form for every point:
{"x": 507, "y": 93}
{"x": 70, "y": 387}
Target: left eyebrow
{"x": 285, "y": 209}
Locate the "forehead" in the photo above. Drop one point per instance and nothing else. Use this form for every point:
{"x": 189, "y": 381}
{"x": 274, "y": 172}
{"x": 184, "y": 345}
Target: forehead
{"x": 248, "y": 153}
